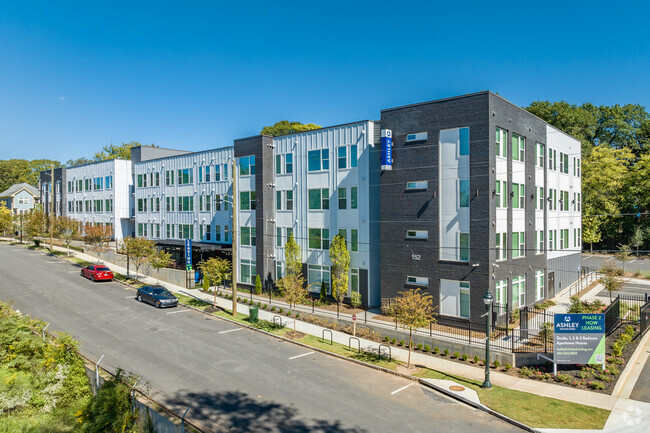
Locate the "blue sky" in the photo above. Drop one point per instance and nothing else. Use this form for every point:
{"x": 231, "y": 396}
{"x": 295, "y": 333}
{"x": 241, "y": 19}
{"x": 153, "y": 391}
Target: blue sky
{"x": 76, "y": 76}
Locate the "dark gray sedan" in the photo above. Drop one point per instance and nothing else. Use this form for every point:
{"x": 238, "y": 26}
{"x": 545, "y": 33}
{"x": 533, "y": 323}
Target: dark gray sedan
{"x": 157, "y": 296}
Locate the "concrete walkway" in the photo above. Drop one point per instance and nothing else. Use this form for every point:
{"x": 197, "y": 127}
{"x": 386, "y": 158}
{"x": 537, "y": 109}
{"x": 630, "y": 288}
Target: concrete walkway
{"x": 630, "y": 415}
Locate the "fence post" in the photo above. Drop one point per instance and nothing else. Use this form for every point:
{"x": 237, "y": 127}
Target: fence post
{"x": 430, "y": 328}
{"x": 470, "y": 333}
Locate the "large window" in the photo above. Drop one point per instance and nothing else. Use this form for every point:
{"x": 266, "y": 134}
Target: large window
{"x": 186, "y": 204}
{"x": 185, "y": 176}
{"x": 454, "y": 298}
{"x": 186, "y": 231}
{"x": 248, "y": 271}
{"x": 343, "y": 198}
{"x": 289, "y": 200}
{"x": 354, "y": 241}
{"x": 539, "y": 160}
{"x": 108, "y": 182}
{"x": 540, "y": 198}
{"x": 354, "y": 199}
{"x": 109, "y": 205}
{"x": 284, "y": 163}
{"x": 501, "y": 292}
{"x": 500, "y": 193}
{"x": 540, "y": 241}
{"x": 518, "y": 196}
{"x": 464, "y": 246}
{"x": 171, "y": 231}
{"x": 317, "y": 276}
{"x": 501, "y": 246}
{"x": 539, "y": 285}
{"x": 354, "y": 280}
{"x": 318, "y": 160}
{"x": 319, "y": 239}
{"x": 169, "y": 204}
{"x": 247, "y": 200}
{"x": 501, "y": 146}
{"x": 518, "y": 148}
{"x": 519, "y": 291}
{"x": 319, "y": 199}
{"x": 463, "y": 141}
{"x": 247, "y": 165}
{"x": 463, "y": 192}
{"x": 343, "y": 157}
{"x": 169, "y": 177}
{"x": 248, "y": 236}
{"x": 98, "y": 183}
{"x": 518, "y": 244}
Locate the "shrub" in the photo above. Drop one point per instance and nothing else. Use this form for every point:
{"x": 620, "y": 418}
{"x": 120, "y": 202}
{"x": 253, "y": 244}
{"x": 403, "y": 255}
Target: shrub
{"x": 465, "y": 357}
{"x": 637, "y": 274}
{"x": 419, "y": 346}
{"x": 614, "y": 360}
{"x": 446, "y": 352}
{"x": 272, "y": 308}
{"x": 355, "y": 299}
{"x": 259, "y": 304}
{"x": 401, "y": 343}
{"x": 238, "y": 299}
{"x": 564, "y": 378}
{"x": 264, "y": 306}
{"x": 455, "y": 355}
{"x": 584, "y": 374}
{"x": 436, "y": 349}
{"x": 630, "y": 330}
{"x": 525, "y": 372}
{"x": 323, "y": 292}
{"x": 617, "y": 349}
{"x": 297, "y": 315}
{"x": 288, "y": 313}
{"x": 393, "y": 340}
{"x": 496, "y": 363}
{"x": 387, "y": 339}
{"x": 475, "y": 359}
{"x": 507, "y": 366}
{"x": 612, "y": 369}
{"x": 258, "y": 285}
{"x": 596, "y": 385}
{"x": 280, "y": 310}
{"x": 427, "y": 348}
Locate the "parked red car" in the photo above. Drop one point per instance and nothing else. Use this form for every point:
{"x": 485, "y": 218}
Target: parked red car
{"x": 97, "y": 273}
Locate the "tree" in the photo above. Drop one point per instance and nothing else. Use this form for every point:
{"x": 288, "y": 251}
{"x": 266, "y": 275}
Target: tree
{"x": 340, "y": 258}
{"x": 13, "y": 171}
{"x": 113, "y": 151}
{"x": 138, "y": 251}
{"x": 159, "y": 259}
{"x": 638, "y": 238}
{"x": 215, "y": 270}
{"x": 610, "y": 279}
{"x": 412, "y": 310}
{"x": 292, "y": 285}
{"x": 6, "y": 220}
{"x": 284, "y": 127}
{"x": 591, "y": 231}
{"x": 623, "y": 254}
{"x": 36, "y": 223}
{"x": 98, "y": 237}
{"x": 67, "y": 229}
{"x": 258, "y": 285}
{"x": 78, "y": 161}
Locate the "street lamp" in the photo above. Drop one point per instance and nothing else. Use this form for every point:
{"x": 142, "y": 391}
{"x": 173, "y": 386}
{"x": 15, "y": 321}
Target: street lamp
{"x": 487, "y": 300}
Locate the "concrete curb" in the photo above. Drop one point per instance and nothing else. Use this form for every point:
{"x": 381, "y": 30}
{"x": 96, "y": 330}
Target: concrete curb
{"x": 621, "y": 387}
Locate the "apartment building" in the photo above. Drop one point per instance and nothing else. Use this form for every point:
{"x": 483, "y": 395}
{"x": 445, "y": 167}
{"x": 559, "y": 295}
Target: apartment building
{"x": 50, "y": 189}
{"x": 100, "y": 193}
{"x": 470, "y": 202}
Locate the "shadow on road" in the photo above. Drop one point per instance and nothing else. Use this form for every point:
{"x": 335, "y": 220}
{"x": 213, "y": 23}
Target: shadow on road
{"x": 238, "y": 412}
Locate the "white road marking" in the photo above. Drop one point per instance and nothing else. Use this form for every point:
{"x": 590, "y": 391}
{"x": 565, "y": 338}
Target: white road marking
{"x": 130, "y": 297}
{"x": 179, "y": 311}
{"x": 231, "y": 330}
{"x": 588, "y": 257}
{"x": 401, "y": 389}
{"x": 304, "y": 354}
{"x": 633, "y": 260}
{"x": 73, "y": 272}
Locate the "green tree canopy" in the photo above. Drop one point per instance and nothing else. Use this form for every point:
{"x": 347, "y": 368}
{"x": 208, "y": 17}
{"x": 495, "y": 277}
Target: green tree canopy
{"x": 340, "y": 257}
{"x": 284, "y": 127}
{"x": 13, "y": 171}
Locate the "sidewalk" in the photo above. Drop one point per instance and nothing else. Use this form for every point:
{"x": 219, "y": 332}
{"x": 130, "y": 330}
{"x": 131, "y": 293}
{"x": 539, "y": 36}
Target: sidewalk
{"x": 626, "y": 414}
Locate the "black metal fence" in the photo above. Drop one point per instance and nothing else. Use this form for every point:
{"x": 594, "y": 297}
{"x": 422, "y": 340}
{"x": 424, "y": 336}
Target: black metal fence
{"x": 625, "y": 309}
{"x": 644, "y": 317}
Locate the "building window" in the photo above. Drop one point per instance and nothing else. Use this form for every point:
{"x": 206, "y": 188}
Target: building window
{"x": 343, "y": 200}
{"x": 248, "y": 236}
{"x": 217, "y": 233}
{"x": 201, "y": 180}
{"x": 319, "y": 239}
{"x": 318, "y": 160}
{"x": 518, "y": 196}
{"x": 354, "y": 280}
{"x": 248, "y": 271}
{"x": 501, "y": 292}
{"x": 498, "y": 194}
{"x": 539, "y": 161}
{"x": 463, "y": 141}
{"x": 79, "y": 185}
{"x": 565, "y": 201}
{"x": 185, "y": 176}
{"x": 217, "y": 173}
{"x": 142, "y": 205}
{"x": 226, "y": 234}
{"x": 247, "y": 165}
{"x": 317, "y": 276}
{"x": 186, "y": 231}
{"x": 416, "y": 185}
{"x": 289, "y": 200}
{"x": 501, "y": 246}
{"x": 417, "y": 234}
{"x": 540, "y": 241}
{"x": 207, "y": 173}
{"x": 354, "y": 202}
{"x": 463, "y": 193}
{"x": 109, "y": 205}
{"x": 319, "y": 199}
{"x": 98, "y": 184}
{"x": 518, "y": 244}
{"x": 343, "y": 156}
{"x": 344, "y": 234}
{"x": 454, "y": 298}
{"x": 186, "y": 204}
{"x": 278, "y": 200}
{"x": 278, "y": 236}
{"x": 501, "y": 146}
{"x": 353, "y": 155}
{"x": 169, "y": 177}
{"x": 463, "y": 239}
{"x": 518, "y": 148}
{"x": 278, "y": 270}
{"x": 225, "y": 172}
{"x": 87, "y": 184}
{"x": 578, "y": 167}
{"x": 519, "y": 291}
{"x": 564, "y": 239}
{"x": 540, "y": 196}
{"x": 170, "y": 204}
{"x": 417, "y": 281}
{"x": 247, "y": 200}
{"x": 539, "y": 285}
{"x": 354, "y": 234}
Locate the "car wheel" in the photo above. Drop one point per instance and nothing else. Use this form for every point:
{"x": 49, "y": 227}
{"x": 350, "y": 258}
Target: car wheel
{"x": 82, "y": 274}
{"x": 157, "y": 304}
{"x": 138, "y": 298}
{"x": 92, "y": 277}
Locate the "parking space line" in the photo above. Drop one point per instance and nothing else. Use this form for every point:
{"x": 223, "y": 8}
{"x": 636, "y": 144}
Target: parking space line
{"x": 585, "y": 258}
{"x": 633, "y": 260}
{"x": 231, "y": 330}
{"x": 304, "y": 354}
{"x": 401, "y": 389}
{"x": 179, "y": 311}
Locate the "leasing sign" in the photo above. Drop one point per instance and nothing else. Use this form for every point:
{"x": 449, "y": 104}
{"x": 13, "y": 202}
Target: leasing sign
{"x": 579, "y": 339}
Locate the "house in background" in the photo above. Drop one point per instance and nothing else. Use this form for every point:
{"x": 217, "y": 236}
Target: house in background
{"x": 20, "y": 198}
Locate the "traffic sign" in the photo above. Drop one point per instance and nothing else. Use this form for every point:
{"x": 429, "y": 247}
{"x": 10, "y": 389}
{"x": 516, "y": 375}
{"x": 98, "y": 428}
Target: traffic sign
{"x": 354, "y": 317}
{"x": 188, "y": 254}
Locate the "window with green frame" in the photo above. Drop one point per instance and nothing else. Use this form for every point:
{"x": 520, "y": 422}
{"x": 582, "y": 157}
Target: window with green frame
{"x": 518, "y": 148}
{"x": 248, "y": 236}
{"x": 354, "y": 241}
{"x": 319, "y": 199}
{"x": 319, "y": 239}
{"x": 464, "y": 246}
{"x": 463, "y": 299}
{"x": 354, "y": 202}
{"x": 463, "y": 192}
{"x": 247, "y": 200}
{"x": 343, "y": 198}
{"x": 501, "y": 143}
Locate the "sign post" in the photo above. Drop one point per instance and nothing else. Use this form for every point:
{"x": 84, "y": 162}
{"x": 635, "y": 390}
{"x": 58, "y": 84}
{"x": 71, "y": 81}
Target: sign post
{"x": 354, "y": 325}
{"x": 579, "y": 339}
{"x": 188, "y": 261}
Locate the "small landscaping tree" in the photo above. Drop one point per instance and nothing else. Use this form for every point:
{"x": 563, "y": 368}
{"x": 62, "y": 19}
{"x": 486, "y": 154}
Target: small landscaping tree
{"x": 412, "y": 309}
{"x": 98, "y": 236}
{"x": 6, "y": 221}
{"x": 215, "y": 270}
{"x": 35, "y": 224}
{"x": 159, "y": 259}
{"x": 323, "y": 291}
{"x": 67, "y": 229}
{"x": 610, "y": 280}
{"x": 258, "y": 285}
{"x": 138, "y": 251}
{"x": 292, "y": 285}
{"x": 623, "y": 254}
{"x": 638, "y": 238}
{"x": 340, "y": 257}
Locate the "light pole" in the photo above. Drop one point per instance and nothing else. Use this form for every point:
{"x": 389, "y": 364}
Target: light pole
{"x": 487, "y": 300}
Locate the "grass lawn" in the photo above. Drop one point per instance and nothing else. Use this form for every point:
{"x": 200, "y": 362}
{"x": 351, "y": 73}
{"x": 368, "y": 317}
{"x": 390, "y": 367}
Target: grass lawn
{"x": 530, "y": 409}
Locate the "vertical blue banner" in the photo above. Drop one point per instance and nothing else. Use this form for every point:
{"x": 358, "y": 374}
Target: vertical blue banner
{"x": 188, "y": 254}
{"x": 386, "y": 149}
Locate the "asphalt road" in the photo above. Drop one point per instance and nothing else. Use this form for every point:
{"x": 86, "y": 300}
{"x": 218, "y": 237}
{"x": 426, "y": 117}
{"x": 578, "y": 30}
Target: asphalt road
{"x": 593, "y": 262}
{"x": 232, "y": 378}
{"x": 641, "y": 391}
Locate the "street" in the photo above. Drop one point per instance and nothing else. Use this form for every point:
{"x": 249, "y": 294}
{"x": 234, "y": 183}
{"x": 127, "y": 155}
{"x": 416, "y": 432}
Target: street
{"x": 230, "y": 377}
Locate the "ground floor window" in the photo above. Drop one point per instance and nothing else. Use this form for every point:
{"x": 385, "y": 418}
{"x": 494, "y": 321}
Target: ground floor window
{"x": 318, "y": 275}
{"x": 278, "y": 270}
{"x": 454, "y": 298}
{"x": 354, "y": 280}
{"x": 519, "y": 291}
{"x": 248, "y": 271}
{"x": 501, "y": 292}
{"x": 539, "y": 284}
{"x": 186, "y": 231}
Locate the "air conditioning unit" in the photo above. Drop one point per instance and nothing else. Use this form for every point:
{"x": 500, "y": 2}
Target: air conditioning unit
{"x": 420, "y": 136}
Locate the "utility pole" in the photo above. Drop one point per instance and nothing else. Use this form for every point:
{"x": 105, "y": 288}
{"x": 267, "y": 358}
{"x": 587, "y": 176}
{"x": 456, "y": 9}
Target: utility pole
{"x": 235, "y": 230}
{"x": 52, "y": 208}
